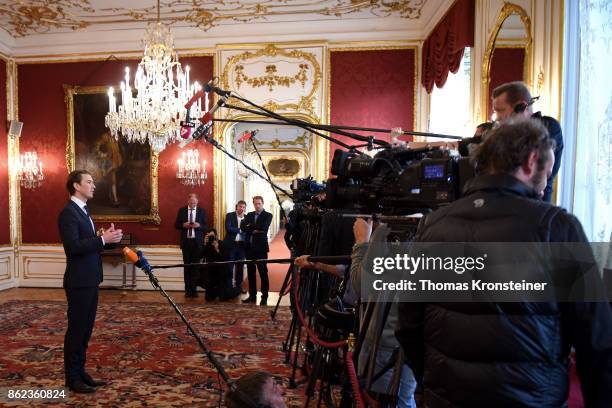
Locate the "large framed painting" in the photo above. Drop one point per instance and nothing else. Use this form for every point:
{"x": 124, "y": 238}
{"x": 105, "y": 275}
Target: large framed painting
{"x": 125, "y": 173}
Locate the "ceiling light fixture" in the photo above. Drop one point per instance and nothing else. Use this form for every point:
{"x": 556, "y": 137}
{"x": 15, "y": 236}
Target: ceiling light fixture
{"x": 152, "y": 110}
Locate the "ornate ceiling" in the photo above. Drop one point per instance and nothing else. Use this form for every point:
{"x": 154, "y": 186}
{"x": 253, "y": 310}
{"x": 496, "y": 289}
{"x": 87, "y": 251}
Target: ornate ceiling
{"x": 26, "y": 17}
{"x": 30, "y": 27}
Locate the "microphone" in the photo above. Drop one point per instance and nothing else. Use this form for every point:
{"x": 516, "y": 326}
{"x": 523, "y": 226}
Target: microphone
{"x": 131, "y": 256}
{"x": 207, "y": 119}
{"x": 137, "y": 258}
{"x": 210, "y": 87}
{"x": 186, "y": 125}
{"x": 144, "y": 264}
{"x": 247, "y": 135}
{"x": 194, "y": 98}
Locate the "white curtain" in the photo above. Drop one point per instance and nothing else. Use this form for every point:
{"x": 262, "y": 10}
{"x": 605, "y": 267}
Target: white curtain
{"x": 593, "y": 171}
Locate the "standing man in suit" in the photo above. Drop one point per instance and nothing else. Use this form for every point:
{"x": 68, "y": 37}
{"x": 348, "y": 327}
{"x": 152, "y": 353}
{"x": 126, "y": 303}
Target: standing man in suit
{"x": 191, "y": 221}
{"x": 256, "y": 225}
{"x": 234, "y": 243}
{"x": 83, "y": 275}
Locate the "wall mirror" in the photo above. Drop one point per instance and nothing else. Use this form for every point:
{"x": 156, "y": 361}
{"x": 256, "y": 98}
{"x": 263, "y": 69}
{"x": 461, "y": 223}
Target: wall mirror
{"x": 508, "y": 54}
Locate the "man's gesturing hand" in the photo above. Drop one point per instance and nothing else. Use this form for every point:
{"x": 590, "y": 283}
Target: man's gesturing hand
{"x": 112, "y": 235}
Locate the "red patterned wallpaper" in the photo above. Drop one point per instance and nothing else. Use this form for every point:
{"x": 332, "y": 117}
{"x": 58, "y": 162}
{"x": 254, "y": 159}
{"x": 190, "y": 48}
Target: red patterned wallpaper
{"x": 43, "y": 111}
{"x": 372, "y": 89}
{"x": 5, "y": 228}
{"x": 507, "y": 65}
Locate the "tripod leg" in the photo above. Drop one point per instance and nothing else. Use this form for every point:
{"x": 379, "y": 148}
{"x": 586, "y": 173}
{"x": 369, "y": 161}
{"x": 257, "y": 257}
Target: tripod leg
{"x": 292, "y": 383}
{"x": 282, "y": 290}
{"x": 286, "y": 344}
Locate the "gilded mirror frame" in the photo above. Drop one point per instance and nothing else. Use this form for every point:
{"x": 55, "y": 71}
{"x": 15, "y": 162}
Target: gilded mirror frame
{"x": 153, "y": 216}
{"x": 507, "y": 10}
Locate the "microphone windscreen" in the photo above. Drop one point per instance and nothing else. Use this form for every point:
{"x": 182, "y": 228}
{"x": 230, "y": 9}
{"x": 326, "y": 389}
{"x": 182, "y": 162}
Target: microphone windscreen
{"x": 185, "y": 132}
{"x": 130, "y": 255}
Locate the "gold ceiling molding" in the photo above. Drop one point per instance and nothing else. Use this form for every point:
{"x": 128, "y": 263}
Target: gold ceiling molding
{"x": 27, "y": 17}
{"x": 270, "y": 79}
{"x": 306, "y": 103}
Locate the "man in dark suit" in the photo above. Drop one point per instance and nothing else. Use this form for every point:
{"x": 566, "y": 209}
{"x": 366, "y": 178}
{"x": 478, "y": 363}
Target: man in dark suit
{"x": 235, "y": 245}
{"x": 83, "y": 275}
{"x": 256, "y": 225}
{"x": 191, "y": 221}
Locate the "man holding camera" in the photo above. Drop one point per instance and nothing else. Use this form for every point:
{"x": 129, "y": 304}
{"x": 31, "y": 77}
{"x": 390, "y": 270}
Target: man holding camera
{"x": 191, "y": 221}
{"x": 513, "y": 99}
{"x": 507, "y": 354}
{"x": 214, "y": 278}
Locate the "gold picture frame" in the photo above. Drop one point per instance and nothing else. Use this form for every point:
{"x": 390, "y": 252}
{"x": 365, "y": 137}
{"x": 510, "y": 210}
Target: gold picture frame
{"x": 119, "y": 168}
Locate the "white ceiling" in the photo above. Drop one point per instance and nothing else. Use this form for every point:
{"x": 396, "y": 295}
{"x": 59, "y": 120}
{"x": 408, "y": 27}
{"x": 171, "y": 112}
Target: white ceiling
{"x": 60, "y": 27}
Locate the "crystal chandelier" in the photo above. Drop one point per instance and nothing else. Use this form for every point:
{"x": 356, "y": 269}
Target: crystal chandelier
{"x": 153, "y": 108}
{"x": 30, "y": 172}
{"x": 190, "y": 172}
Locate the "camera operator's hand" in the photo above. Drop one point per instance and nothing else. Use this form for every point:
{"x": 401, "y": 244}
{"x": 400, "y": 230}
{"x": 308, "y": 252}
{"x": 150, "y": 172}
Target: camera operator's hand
{"x": 303, "y": 262}
{"x": 209, "y": 234}
{"x": 215, "y": 245}
{"x": 362, "y": 230}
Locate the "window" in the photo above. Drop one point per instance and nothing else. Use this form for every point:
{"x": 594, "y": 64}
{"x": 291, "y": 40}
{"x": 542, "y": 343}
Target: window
{"x": 593, "y": 138}
{"x": 449, "y": 109}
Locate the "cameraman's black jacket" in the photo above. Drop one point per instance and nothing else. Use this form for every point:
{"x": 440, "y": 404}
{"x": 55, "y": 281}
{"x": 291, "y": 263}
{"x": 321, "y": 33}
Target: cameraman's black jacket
{"x": 505, "y": 354}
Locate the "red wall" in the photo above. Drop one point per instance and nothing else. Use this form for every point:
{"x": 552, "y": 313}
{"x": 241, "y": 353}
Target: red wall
{"x": 372, "y": 89}
{"x": 43, "y": 111}
{"x": 5, "y": 228}
{"x": 507, "y": 65}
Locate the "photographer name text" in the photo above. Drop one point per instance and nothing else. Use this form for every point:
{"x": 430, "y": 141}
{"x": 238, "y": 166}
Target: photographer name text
{"x": 477, "y": 285}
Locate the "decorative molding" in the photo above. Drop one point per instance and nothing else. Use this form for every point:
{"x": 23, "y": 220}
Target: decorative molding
{"x": 6, "y": 260}
{"x": 270, "y": 78}
{"x": 540, "y": 81}
{"x": 23, "y": 18}
{"x": 306, "y": 61}
{"x": 34, "y": 259}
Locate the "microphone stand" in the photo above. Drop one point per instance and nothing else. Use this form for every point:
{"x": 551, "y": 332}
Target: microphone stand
{"x": 328, "y": 127}
{"x": 222, "y": 148}
{"x": 336, "y": 259}
{"x": 155, "y": 282}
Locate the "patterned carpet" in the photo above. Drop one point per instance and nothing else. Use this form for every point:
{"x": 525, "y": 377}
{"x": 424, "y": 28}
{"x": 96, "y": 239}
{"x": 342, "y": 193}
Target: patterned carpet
{"x": 144, "y": 350}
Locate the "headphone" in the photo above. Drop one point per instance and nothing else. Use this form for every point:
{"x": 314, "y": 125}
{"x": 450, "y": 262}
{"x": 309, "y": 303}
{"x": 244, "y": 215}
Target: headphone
{"x": 520, "y": 107}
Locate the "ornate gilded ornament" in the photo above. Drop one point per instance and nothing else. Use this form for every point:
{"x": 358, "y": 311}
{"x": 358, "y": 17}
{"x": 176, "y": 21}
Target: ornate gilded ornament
{"x": 27, "y": 17}
{"x": 270, "y": 78}
{"x": 307, "y": 65}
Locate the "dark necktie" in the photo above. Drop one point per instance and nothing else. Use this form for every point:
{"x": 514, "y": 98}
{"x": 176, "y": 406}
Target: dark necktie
{"x": 89, "y": 217}
{"x": 191, "y": 232}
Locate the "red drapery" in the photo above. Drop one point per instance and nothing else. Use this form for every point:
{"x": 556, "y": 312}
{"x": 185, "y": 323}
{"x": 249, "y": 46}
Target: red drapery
{"x": 443, "y": 49}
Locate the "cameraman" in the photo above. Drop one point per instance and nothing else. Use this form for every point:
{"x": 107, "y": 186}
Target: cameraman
{"x": 507, "y": 354}
{"x": 256, "y": 390}
{"x": 513, "y": 100}
{"x": 214, "y": 277}
{"x": 388, "y": 344}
